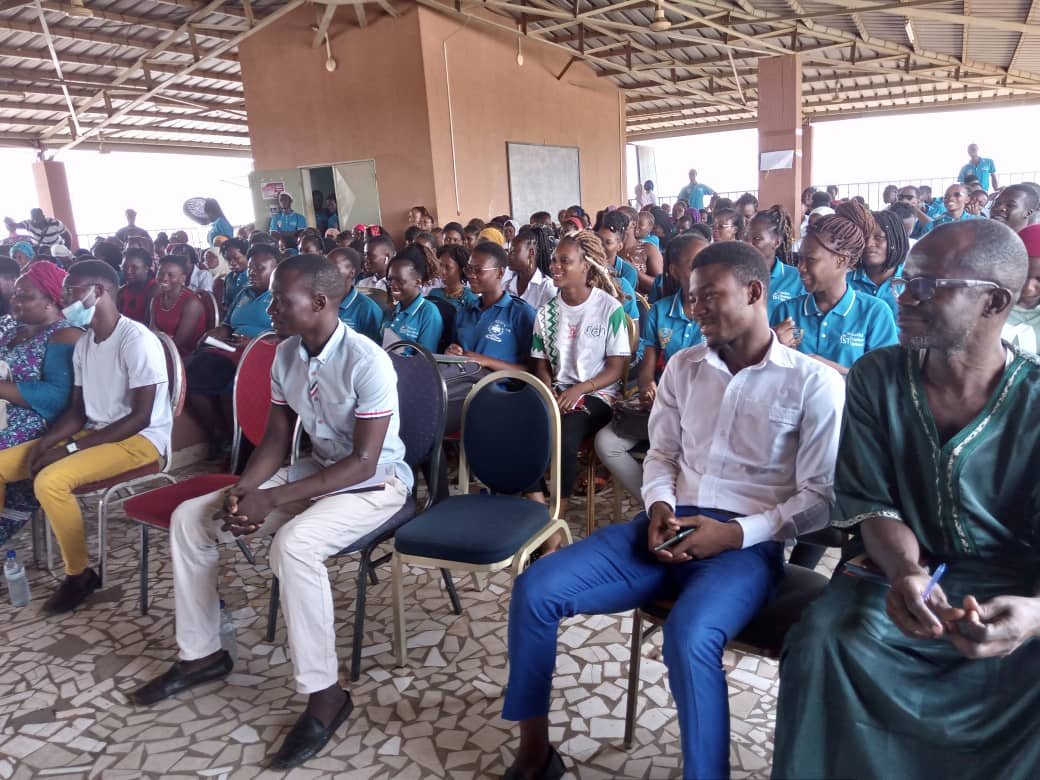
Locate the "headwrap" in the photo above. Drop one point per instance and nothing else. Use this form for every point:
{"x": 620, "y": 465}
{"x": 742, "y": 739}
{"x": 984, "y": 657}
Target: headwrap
{"x": 515, "y": 224}
{"x": 492, "y": 234}
{"x": 48, "y": 278}
{"x": 574, "y": 222}
{"x": 823, "y": 211}
{"x": 1030, "y": 236}
{"x": 25, "y": 248}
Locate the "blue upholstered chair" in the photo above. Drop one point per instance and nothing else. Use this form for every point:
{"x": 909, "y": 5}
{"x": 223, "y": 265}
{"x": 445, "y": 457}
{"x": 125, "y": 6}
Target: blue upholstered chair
{"x": 422, "y": 399}
{"x": 510, "y": 436}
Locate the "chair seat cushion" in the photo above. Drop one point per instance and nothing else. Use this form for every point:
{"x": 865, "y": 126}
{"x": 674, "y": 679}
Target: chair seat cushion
{"x": 104, "y": 484}
{"x": 477, "y": 529}
{"x": 767, "y": 629}
{"x": 155, "y": 507}
{"x": 400, "y": 517}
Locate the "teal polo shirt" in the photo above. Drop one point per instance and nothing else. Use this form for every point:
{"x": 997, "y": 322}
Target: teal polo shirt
{"x": 858, "y": 324}
{"x": 248, "y": 316}
{"x": 361, "y": 314}
{"x": 468, "y": 298}
{"x": 784, "y": 284}
{"x": 983, "y": 170}
{"x": 501, "y": 331}
{"x": 625, "y": 270}
{"x": 946, "y": 219}
{"x": 657, "y": 289}
{"x": 859, "y": 281}
{"x": 286, "y": 223}
{"x": 234, "y": 283}
{"x": 419, "y": 322}
{"x": 667, "y": 329}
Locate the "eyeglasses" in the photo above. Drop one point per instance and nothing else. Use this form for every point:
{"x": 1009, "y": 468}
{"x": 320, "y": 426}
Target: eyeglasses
{"x": 923, "y": 288}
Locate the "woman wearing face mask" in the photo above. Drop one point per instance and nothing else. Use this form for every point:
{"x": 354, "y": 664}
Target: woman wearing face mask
{"x": 211, "y": 370}
{"x": 38, "y": 353}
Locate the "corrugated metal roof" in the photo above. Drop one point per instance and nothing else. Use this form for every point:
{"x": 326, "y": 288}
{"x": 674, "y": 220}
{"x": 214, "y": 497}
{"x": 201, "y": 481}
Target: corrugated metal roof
{"x": 962, "y": 52}
{"x": 99, "y": 42}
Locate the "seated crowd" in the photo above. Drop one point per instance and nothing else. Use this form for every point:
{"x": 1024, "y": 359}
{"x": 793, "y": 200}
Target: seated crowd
{"x": 868, "y": 371}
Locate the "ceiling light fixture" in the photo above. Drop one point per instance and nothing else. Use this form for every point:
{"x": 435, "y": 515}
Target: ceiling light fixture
{"x": 910, "y": 33}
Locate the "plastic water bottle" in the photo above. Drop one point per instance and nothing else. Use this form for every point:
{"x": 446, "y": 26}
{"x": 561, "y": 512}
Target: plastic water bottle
{"x": 17, "y": 582}
{"x": 227, "y": 632}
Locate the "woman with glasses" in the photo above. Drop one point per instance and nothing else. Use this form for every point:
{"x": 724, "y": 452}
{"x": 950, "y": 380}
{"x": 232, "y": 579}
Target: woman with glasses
{"x": 726, "y": 225}
{"x": 882, "y": 260}
{"x": 832, "y": 321}
{"x": 579, "y": 348}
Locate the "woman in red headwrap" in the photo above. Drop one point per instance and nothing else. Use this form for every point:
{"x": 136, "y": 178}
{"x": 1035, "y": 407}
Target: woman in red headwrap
{"x": 36, "y": 368}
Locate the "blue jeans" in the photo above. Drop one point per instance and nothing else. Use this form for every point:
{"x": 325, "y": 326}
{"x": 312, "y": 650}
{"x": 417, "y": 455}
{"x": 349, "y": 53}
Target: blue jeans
{"x": 614, "y": 571}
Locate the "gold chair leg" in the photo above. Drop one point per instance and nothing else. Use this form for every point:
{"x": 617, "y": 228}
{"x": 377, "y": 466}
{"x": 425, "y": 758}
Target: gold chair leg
{"x": 590, "y": 495}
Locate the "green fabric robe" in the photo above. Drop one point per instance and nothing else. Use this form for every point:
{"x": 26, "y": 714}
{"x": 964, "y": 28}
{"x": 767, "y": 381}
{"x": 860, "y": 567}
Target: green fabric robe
{"x": 858, "y": 699}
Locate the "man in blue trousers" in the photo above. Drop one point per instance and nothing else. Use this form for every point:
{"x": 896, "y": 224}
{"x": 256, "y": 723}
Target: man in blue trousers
{"x": 743, "y": 439}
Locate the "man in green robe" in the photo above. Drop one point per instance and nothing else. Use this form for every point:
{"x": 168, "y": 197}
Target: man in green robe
{"x": 938, "y": 463}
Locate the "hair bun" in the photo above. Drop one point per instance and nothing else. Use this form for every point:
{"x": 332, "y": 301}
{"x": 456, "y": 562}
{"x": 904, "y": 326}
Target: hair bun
{"x": 859, "y": 215}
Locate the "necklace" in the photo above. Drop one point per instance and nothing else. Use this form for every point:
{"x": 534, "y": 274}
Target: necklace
{"x": 162, "y": 302}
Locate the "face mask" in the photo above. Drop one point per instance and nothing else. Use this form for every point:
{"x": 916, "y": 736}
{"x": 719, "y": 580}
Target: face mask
{"x": 78, "y": 313}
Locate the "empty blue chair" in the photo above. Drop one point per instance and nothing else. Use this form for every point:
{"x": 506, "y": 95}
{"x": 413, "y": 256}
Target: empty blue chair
{"x": 510, "y": 436}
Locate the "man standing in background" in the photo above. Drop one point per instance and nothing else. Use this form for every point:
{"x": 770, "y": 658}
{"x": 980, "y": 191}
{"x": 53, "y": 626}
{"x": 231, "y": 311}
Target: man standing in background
{"x": 694, "y": 192}
{"x": 983, "y": 168}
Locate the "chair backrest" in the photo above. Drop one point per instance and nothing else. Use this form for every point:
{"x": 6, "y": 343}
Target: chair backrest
{"x": 252, "y": 393}
{"x": 511, "y": 434}
{"x": 423, "y": 399}
{"x": 447, "y": 312}
{"x": 643, "y": 306}
{"x": 210, "y": 308}
{"x": 379, "y": 296}
{"x": 176, "y": 383}
{"x": 218, "y": 290}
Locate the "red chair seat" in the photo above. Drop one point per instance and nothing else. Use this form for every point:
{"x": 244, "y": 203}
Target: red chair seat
{"x": 155, "y": 507}
{"x": 126, "y": 476}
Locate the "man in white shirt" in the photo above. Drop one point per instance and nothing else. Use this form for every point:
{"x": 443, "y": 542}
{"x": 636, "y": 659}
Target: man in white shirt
{"x": 743, "y": 439}
{"x": 343, "y": 389}
{"x": 118, "y": 419}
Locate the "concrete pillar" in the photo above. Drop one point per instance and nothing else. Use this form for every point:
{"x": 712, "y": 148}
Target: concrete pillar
{"x": 52, "y": 190}
{"x": 780, "y": 130}
{"x": 807, "y": 144}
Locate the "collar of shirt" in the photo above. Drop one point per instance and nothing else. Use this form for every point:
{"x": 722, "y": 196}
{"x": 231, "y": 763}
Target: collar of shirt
{"x": 349, "y": 300}
{"x": 841, "y": 308}
{"x": 411, "y": 309}
{"x": 780, "y": 269}
{"x": 330, "y": 346}
{"x": 777, "y": 354}
{"x": 677, "y": 310}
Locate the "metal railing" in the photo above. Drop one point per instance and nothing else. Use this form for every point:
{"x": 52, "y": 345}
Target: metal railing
{"x": 196, "y": 235}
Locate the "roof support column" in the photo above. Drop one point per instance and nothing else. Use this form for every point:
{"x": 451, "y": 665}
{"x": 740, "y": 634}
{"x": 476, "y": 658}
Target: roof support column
{"x": 780, "y": 130}
{"x": 807, "y": 141}
{"x": 52, "y": 189}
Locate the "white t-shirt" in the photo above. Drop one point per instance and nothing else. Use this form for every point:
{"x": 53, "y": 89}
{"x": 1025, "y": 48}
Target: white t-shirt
{"x": 108, "y": 372}
{"x": 539, "y": 290}
{"x": 577, "y": 340}
{"x": 200, "y": 280}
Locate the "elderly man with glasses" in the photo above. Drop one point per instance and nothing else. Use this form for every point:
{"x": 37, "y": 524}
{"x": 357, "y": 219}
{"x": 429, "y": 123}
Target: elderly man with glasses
{"x": 892, "y": 672}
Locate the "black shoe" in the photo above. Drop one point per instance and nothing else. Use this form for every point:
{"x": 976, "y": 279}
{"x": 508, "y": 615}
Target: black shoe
{"x": 553, "y": 769}
{"x": 71, "y": 593}
{"x": 175, "y": 679}
{"x": 308, "y": 737}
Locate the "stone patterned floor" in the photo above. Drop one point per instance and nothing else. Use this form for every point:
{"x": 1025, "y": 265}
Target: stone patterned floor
{"x": 63, "y": 685}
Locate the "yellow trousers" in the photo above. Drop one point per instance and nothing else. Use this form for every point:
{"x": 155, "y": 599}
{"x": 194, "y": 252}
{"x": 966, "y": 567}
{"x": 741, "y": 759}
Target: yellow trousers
{"x": 54, "y": 485}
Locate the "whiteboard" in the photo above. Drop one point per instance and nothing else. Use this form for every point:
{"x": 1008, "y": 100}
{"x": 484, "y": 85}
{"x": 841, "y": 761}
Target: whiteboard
{"x": 542, "y": 178}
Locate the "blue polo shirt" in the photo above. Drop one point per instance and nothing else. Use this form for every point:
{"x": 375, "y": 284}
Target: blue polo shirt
{"x": 220, "y": 227}
{"x": 784, "y": 284}
{"x": 668, "y": 329}
{"x": 626, "y": 271}
{"x": 694, "y": 194}
{"x": 468, "y": 297}
{"x": 656, "y": 289}
{"x": 286, "y": 223}
{"x": 419, "y": 322}
{"x": 361, "y": 314}
{"x": 502, "y": 331}
{"x": 234, "y": 283}
{"x": 858, "y": 324}
{"x": 946, "y": 219}
{"x": 858, "y": 280}
{"x": 983, "y": 170}
{"x": 248, "y": 316}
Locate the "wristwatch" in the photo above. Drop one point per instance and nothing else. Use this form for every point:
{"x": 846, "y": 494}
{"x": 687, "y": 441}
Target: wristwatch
{"x": 71, "y": 447}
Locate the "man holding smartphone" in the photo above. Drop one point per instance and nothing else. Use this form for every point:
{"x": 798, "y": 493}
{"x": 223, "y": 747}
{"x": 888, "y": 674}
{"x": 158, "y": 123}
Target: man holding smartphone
{"x": 343, "y": 389}
{"x": 743, "y": 438}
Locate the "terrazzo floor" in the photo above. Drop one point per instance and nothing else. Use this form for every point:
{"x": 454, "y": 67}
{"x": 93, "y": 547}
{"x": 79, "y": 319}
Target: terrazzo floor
{"x": 64, "y": 681}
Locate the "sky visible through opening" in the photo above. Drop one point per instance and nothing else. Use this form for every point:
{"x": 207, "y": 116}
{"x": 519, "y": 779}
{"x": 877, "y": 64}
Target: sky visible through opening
{"x": 897, "y": 149}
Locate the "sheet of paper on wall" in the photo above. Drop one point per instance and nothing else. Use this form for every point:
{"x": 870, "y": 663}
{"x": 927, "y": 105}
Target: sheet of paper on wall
{"x": 776, "y": 161}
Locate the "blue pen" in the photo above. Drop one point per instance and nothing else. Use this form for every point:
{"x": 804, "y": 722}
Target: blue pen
{"x": 940, "y": 570}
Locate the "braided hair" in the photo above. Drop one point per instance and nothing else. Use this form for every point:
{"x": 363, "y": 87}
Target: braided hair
{"x": 543, "y": 244}
{"x": 780, "y": 223}
{"x": 845, "y": 232}
{"x": 891, "y": 224}
{"x": 598, "y": 275}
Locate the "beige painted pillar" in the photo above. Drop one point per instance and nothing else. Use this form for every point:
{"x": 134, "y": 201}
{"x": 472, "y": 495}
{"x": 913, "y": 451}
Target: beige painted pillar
{"x": 780, "y": 130}
{"x": 52, "y": 190}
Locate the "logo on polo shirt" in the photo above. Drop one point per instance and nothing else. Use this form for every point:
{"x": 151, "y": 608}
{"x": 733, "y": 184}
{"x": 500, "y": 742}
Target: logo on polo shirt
{"x": 853, "y": 340}
{"x": 664, "y": 335}
{"x": 496, "y": 330}
{"x": 780, "y": 295}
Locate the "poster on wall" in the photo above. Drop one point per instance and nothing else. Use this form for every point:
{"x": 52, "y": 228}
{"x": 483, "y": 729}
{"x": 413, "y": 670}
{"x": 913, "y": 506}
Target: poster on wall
{"x": 270, "y": 190}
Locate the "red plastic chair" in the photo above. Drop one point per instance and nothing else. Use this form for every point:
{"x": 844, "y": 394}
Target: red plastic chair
{"x": 210, "y": 308}
{"x": 107, "y": 490}
{"x": 252, "y": 402}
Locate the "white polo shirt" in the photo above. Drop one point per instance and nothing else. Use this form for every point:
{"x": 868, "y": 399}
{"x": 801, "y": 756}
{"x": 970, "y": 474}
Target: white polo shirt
{"x": 350, "y": 379}
{"x": 109, "y": 372}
